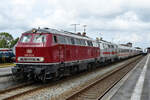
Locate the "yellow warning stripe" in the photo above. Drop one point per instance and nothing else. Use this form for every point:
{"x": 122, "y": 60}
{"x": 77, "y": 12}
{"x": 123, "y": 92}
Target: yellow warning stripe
{"x": 7, "y": 65}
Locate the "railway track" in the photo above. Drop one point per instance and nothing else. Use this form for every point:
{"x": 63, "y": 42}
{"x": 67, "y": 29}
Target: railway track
{"x": 28, "y": 88}
{"x": 23, "y": 89}
{"x": 6, "y": 75}
{"x": 5, "y": 79}
{"x": 97, "y": 89}
{"x": 16, "y": 90}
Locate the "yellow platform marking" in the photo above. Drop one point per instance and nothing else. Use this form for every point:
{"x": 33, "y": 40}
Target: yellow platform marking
{"x": 7, "y": 65}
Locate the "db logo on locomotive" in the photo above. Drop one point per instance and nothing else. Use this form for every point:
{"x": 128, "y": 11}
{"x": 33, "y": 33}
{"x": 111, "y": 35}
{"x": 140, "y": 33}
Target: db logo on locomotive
{"x": 29, "y": 51}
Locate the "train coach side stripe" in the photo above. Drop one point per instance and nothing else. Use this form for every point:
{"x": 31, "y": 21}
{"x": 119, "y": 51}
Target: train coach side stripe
{"x": 106, "y": 52}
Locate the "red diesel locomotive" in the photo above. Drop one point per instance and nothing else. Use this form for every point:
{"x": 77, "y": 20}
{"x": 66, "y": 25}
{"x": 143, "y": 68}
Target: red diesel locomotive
{"x": 48, "y": 53}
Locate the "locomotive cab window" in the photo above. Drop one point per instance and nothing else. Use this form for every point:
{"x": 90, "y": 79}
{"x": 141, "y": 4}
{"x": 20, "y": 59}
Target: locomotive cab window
{"x": 83, "y": 43}
{"x": 26, "y": 38}
{"x": 39, "y": 38}
{"x": 90, "y": 43}
{"x": 68, "y": 40}
{"x": 77, "y": 42}
{"x": 72, "y": 41}
{"x": 62, "y": 40}
{"x": 55, "y": 39}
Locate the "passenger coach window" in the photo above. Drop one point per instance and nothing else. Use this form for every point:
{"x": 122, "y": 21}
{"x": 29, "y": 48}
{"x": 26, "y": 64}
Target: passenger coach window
{"x": 26, "y": 38}
{"x": 95, "y": 44}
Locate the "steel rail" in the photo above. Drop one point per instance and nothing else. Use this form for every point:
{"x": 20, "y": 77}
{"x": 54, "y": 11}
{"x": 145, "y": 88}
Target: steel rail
{"x": 47, "y": 85}
{"x": 14, "y": 88}
{"x": 86, "y": 93}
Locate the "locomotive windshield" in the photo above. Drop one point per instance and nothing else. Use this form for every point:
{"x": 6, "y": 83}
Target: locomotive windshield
{"x": 39, "y": 38}
{"x": 26, "y": 38}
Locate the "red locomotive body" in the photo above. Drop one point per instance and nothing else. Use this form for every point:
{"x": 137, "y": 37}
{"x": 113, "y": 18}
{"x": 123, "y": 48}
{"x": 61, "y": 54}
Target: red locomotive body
{"x": 52, "y": 51}
{"x": 47, "y": 53}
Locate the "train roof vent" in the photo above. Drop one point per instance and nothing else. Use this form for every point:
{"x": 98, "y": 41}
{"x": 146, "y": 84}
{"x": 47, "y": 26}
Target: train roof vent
{"x": 84, "y": 34}
{"x": 79, "y": 33}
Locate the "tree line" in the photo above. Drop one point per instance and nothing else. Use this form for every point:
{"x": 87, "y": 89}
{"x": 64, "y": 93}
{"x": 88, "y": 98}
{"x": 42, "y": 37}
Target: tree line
{"x": 7, "y": 41}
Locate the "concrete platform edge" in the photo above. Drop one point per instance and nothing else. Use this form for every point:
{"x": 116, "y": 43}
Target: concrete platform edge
{"x": 112, "y": 92}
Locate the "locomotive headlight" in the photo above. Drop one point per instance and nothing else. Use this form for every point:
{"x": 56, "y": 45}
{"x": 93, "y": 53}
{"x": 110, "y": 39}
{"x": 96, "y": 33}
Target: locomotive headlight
{"x": 34, "y": 30}
{"x": 30, "y": 59}
{"x": 41, "y": 59}
{"x": 20, "y": 59}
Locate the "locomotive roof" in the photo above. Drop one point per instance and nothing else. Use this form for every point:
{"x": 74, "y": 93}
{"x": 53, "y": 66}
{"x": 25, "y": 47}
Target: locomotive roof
{"x": 61, "y": 32}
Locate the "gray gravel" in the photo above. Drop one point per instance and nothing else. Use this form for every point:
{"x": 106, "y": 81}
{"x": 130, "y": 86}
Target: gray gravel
{"x": 62, "y": 90}
{"x": 6, "y": 79}
{"x": 5, "y": 71}
{"x": 6, "y": 82}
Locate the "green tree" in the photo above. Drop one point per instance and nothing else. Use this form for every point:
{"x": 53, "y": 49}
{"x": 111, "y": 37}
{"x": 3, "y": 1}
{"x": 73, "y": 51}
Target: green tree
{"x": 5, "y": 40}
{"x": 3, "y": 43}
{"x": 14, "y": 42}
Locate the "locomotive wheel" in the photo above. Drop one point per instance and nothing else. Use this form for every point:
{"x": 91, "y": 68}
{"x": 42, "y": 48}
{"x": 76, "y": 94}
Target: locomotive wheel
{"x": 57, "y": 76}
{"x": 36, "y": 78}
{"x": 71, "y": 70}
{"x": 76, "y": 69}
{"x": 15, "y": 78}
{"x": 89, "y": 67}
{"x": 43, "y": 78}
{"x": 18, "y": 77}
{"x": 94, "y": 65}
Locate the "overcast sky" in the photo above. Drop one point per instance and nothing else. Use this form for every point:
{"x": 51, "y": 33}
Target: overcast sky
{"x": 119, "y": 21}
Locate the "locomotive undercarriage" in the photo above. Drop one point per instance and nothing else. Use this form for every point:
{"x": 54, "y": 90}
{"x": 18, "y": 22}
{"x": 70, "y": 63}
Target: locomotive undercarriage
{"x": 37, "y": 72}
{"x": 47, "y": 72}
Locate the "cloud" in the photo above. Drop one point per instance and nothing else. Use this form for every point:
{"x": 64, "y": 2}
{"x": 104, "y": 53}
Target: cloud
{"x": 128, "y": 38}
{"x": 125, "y": 20}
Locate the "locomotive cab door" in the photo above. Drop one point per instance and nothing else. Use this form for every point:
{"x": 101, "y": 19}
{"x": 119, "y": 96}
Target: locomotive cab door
{"x": 62, "y": 48}
{"x": 62, "y": 53}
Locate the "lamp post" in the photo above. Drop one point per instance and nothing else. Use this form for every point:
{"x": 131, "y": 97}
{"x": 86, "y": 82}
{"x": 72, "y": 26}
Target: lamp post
{"x": 84, "y": 28}
{"x": 75, "y": 26}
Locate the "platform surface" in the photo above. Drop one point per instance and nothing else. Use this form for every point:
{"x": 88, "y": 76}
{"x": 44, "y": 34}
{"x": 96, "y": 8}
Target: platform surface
{"x": 5, "y": 71}
{"x": 135, "y": 85}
